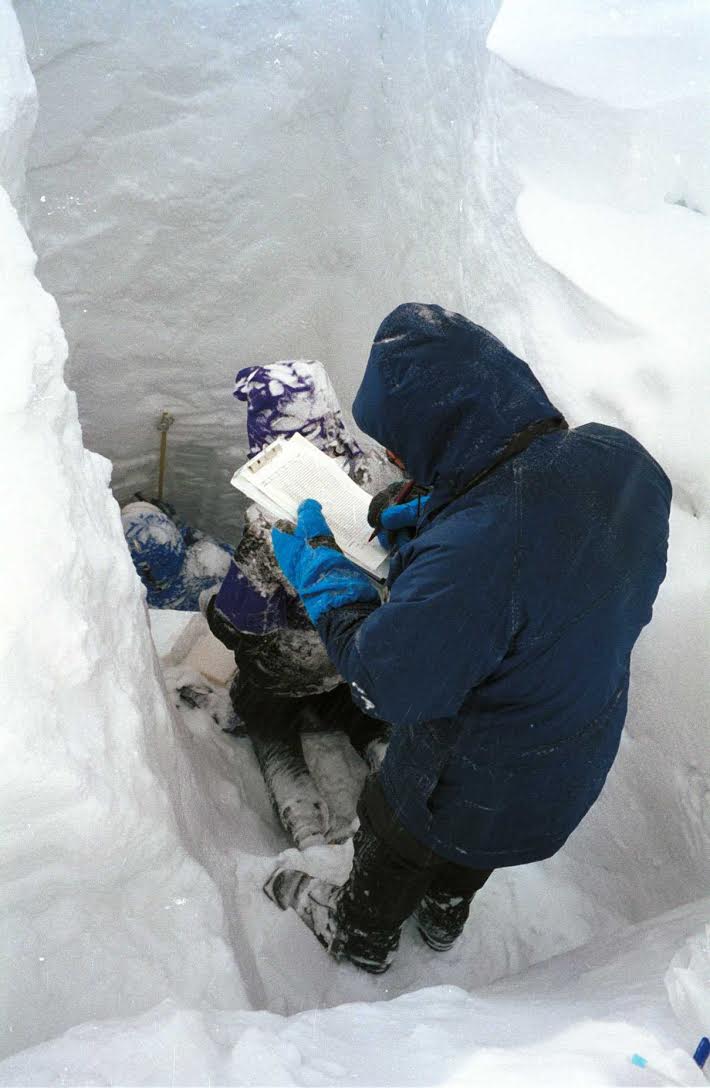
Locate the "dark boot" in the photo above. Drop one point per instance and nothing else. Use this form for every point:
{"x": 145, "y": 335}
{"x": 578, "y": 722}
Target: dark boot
{"x": 443, "y": 911}
{"x": 440, "y": 920}
{"x": 371, "y": 949}
{"x": 379, "y": 895}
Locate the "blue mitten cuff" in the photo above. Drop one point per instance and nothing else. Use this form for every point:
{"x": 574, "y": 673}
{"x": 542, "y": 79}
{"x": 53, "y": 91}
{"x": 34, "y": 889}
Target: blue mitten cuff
{"x": 316, "y": 568}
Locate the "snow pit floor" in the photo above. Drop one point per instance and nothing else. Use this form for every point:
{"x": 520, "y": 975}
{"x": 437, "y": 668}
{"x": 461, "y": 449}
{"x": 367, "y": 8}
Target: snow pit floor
{"x": 576, "y": 1020}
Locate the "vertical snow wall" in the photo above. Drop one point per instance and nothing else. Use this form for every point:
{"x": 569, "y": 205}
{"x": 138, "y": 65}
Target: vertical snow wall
{"x": 95, "y": 789}
{"x": 266, "y": 184}
{"x": 587, "y": 209}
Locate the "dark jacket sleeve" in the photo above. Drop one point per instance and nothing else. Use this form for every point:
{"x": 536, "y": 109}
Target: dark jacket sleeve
{"x": 220, "y": 626}
{"x": 444, "y": 629}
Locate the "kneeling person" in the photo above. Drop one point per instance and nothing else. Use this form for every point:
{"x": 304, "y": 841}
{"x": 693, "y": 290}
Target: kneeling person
{"x": 286, "y": 684}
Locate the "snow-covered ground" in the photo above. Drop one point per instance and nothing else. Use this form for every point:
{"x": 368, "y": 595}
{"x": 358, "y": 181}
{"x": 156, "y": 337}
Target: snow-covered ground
{"x": 576, "y": 1020}
{"x": 554, "y": 186}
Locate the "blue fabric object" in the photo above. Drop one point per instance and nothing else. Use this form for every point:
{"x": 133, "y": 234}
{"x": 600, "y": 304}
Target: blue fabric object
{"x": 702, "y": 1052}
{"x": 175, "y": 562}
{"x": 155, "y": 543}
{"x": 322, "y": 576}
{"x": 502, "y": 655}
{"x": 444, "y": 394}
{"x": 247, "y": 609}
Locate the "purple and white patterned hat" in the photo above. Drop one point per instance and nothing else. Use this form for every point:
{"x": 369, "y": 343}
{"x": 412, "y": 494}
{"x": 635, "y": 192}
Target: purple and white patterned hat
{"x": 295, "y": 395}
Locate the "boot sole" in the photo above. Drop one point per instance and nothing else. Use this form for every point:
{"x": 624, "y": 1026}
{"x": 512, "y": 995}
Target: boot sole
{"x": 436, "y": 946}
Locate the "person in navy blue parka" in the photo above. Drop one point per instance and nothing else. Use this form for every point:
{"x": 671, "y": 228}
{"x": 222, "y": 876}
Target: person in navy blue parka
{"x": 501, "y": 656}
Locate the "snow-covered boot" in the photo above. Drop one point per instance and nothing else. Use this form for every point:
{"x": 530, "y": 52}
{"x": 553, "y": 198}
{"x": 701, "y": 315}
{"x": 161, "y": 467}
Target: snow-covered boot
{"x": 299, "y": 806}
{"x": 313, "y": 900}
{"x": 441, "y": 917}
{"x": 304, "y": 816}
{"x": 319, "y": 905}
{"x": 217, "y": 704}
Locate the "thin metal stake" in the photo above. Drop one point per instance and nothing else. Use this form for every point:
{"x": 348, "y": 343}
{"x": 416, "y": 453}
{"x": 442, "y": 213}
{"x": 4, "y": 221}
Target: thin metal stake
{"x": 164, "y": 424}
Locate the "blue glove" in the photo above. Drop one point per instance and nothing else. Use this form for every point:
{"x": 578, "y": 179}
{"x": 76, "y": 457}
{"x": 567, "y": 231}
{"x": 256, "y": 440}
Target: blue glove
{"x": 315, "y": 566}
{"x": 396, "y": 523}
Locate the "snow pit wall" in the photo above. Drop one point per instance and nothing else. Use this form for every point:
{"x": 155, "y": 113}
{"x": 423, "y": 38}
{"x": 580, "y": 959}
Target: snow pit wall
{"x": 590, "y": 194}
{"x": 97, "y": 845}
{"x": 266, "y": 185}
{"x": 473, "y": 167}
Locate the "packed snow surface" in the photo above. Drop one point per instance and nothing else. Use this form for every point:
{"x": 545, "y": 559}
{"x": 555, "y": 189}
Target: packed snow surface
{"x": 267, "y": 184}
{"x": 90, "y": 797}
{"x": 574, "y": 1021}
{"x": 18, "y": 104}
{"x": 635, "y": 54}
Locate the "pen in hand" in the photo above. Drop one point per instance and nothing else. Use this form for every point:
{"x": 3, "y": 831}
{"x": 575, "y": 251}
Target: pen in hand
{"x": 403, "y": 493}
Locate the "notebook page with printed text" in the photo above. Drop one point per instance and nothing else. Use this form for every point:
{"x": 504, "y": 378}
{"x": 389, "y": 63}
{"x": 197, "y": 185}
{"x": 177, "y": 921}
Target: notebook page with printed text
{"x": 293, "y": 469}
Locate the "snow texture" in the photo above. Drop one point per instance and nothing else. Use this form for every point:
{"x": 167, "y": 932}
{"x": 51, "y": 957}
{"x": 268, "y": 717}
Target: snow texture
{"x": 18, "y": 105}
{"x": 248, "y": 192}
{"x": 267, "y": 184}
{"x": 576, "y": 1020}
{"x": 632, "y": 55}
{"x": 93, "y": 777}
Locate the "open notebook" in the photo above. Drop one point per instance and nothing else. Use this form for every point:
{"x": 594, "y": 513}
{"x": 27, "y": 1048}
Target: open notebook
{"x": 293, "y": 469}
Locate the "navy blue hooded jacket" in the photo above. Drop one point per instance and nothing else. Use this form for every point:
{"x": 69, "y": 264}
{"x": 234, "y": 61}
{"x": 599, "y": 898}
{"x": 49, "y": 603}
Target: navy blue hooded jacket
{"x": 501, "y": 657}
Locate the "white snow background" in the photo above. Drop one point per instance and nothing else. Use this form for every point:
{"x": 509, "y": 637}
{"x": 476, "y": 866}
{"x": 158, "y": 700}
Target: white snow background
{"x": 213, "y": 185}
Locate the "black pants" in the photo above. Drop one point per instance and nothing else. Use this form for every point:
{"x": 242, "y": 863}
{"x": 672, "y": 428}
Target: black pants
{"x": 273, "y": 718}
{"x": 274, "y": 725}
{"x": 392, "y": 872}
